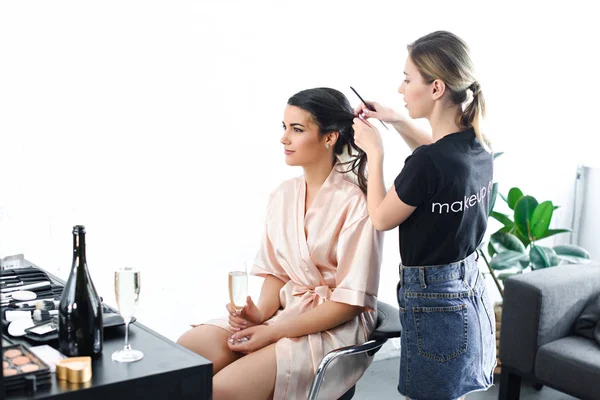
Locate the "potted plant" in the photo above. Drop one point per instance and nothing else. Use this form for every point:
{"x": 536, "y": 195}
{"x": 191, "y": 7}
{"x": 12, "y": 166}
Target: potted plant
{"x": 514, "y": 249}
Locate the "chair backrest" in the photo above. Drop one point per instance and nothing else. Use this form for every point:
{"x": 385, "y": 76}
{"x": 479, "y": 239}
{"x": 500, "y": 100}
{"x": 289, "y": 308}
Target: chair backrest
{"x": 388, "y": 322}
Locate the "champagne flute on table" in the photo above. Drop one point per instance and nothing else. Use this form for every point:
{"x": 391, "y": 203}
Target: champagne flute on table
{"x": 238, "y": 290}
{"x": 127, "y": 291}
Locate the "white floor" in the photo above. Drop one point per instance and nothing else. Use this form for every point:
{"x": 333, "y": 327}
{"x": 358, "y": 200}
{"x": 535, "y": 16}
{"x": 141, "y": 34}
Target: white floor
{"x": 381, "y": 379}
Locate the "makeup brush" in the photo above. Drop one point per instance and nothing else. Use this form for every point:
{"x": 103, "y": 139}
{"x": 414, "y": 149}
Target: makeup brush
{"x": 25, "y": 304}
{"x": 43, "y": 315}
{"x": 47, "y": 305}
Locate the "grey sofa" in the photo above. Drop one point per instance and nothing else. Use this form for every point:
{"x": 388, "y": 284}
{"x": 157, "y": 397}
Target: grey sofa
{"x": 537, "y": 341}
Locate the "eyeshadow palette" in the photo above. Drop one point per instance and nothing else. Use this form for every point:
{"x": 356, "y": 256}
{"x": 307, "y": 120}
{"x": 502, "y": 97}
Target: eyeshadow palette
{"x": 21, "y": 368}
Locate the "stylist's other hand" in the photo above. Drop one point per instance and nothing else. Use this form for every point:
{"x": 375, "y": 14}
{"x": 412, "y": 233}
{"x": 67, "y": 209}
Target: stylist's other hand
{"x": 385, "y": 114}
{"x": 248, "y": 316}
{"x": 367, "y": 137}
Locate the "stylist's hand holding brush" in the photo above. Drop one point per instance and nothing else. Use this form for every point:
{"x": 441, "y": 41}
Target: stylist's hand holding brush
{"x": 412, "y": 135}
{"x": 368, "y": 138}
{"x": 382, "y": 113}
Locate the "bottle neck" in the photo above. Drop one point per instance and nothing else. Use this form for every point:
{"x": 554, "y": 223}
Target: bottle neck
{"x": 79, "y": 249}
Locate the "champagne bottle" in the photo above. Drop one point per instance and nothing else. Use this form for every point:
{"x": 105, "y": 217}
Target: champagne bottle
{"x": 80, "y": 330}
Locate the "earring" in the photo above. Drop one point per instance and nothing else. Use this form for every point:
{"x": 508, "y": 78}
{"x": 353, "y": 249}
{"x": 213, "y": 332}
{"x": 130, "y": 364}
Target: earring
{"x": 327, "y": 146}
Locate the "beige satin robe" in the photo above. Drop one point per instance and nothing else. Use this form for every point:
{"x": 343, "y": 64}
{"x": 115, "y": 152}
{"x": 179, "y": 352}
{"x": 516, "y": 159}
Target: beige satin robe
{"x": 331, "y": 254}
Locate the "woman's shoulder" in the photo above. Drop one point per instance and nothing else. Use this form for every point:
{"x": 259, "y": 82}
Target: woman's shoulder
{"x": 351, "y": 195}
{"x": 423, "y": 151}
{"x": 342, "y": 190}
{"x": 288, "y": 184}
{"x": 287, "y": 188}
{"x": 349, "y": 187}
{"x": 421, "y": 157}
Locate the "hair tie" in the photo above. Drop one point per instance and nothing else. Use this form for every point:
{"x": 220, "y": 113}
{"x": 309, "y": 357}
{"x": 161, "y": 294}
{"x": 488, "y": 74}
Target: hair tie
{"x": 475, "y": 88}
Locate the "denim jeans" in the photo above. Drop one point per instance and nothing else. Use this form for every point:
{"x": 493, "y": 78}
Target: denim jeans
{"x": 448, "y": 343}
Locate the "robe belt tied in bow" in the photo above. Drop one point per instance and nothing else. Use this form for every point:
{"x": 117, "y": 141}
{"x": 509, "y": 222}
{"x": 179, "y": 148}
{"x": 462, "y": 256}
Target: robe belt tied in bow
{"x": 321, "y": 292}
{"x": 320, "y": 295}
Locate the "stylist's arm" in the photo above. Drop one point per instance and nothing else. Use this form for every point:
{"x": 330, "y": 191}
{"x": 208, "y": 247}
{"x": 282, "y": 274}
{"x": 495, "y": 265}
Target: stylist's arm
{"x": 386, "y": 210}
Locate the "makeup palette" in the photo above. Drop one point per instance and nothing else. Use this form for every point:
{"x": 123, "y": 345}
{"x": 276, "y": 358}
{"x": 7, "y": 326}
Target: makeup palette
{"x": 22, "y": 369}
{"x": 15, "y": 282}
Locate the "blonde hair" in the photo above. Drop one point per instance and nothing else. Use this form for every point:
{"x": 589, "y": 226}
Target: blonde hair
{"x": 443, "y": 55}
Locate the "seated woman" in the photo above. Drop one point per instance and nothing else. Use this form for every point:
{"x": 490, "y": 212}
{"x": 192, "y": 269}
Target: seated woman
{"x": 320, "y": 257}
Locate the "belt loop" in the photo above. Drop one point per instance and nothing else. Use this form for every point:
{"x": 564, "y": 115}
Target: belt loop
{"x": 463, "y": 273}
{"x": 422, "y": 277}
{"x": 401, "y": 275}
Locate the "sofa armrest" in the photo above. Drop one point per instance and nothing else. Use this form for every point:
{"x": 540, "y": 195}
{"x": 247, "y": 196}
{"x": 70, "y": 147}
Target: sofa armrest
{"x": 540, "y": 307}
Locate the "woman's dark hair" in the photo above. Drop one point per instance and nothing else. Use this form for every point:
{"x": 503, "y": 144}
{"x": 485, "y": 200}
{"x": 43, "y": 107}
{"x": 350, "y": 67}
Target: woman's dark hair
{"x": 331, "y": 111}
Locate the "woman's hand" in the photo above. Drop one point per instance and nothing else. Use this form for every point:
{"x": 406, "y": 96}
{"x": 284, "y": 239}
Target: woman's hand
{"x": 382, "y": 113}
{"x": 252, "y": 339}
{"x": 367, "y": 137}
{"x": 249, "y": 316}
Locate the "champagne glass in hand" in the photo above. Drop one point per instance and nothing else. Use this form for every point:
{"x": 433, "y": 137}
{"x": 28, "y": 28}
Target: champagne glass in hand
{"x": 127, "y": 291}
{"x": 238, "y": 290}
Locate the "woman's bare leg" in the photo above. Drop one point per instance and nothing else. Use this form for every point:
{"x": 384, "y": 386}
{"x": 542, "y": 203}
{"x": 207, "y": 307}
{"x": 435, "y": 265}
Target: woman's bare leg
{"x": 211, "y": 343}
{"x": 250, "y": 378}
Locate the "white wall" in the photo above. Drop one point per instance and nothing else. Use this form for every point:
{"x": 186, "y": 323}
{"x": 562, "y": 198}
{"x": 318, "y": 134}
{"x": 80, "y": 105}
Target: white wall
{"x": 156, "y": 123}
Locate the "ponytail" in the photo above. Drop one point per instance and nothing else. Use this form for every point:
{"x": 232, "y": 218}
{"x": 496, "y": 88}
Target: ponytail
{"x": 473, "y": 113}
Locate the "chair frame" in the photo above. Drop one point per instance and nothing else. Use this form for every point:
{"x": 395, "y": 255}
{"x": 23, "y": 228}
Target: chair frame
{"x": 368, "y": 347}
{"x": 388, "y": 327}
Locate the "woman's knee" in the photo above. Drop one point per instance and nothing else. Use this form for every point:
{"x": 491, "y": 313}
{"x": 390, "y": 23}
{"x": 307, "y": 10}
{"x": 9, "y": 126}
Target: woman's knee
{"x": 186, "y": 339}
{"x": 210, "y": 343}
{"x": 199, "y": 340}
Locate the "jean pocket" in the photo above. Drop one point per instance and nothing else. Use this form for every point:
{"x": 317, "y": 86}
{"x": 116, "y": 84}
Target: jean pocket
{"x": 441, "y": 331}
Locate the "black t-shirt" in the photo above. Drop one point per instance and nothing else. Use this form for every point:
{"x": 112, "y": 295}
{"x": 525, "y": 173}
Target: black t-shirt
{"x": 449, "y": 182}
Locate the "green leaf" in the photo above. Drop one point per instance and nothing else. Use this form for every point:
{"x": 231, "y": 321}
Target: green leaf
{"x": 526, "y": 262}
{"x": 498, "y": 154}
{"x": 503, "y": 197}
{"x": 542, "y": 257}
{"x": 505, "y": 275}
{"x": 552, "y": 232}
{"x": 493, "y": 196}
{"x": 502, "y": 218}
{"x": 540, "y": 220}
{"x": 573, "y": 259}
{"x": 513, "y": 229}
{"x": 524, "y": 209}
{"x": 514, "y": 195}
{"x": 508, "y": 241}
{"x": 508, "y": 259}
{"x": 572, "y": 250}
{"x": 491, "y": 250}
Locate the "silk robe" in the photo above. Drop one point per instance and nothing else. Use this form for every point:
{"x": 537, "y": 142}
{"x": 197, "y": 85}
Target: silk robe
{"x": 332, "y": 253}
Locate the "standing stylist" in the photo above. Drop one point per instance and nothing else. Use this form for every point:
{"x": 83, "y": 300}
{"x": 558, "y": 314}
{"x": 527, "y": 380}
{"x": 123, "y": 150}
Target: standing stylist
{"x": 440, "y": 204}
